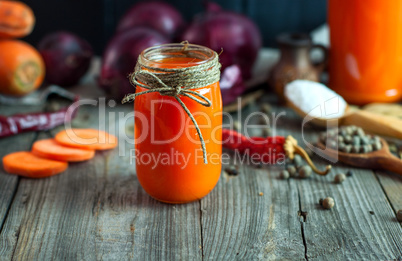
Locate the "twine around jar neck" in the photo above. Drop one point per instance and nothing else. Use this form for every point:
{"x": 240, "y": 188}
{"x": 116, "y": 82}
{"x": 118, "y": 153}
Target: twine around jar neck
{"x": 177, "y": 82}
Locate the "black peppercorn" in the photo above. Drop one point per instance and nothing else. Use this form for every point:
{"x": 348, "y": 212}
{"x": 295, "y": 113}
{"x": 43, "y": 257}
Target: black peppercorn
{"x": 359, "y": 131}
{"x": 356, "y": 140}
{"x": 328, "y": 203}
{"x": 305, "y": 172}
{"x": 232, "y": 170}
{"x": 298, "y": 161}
{"x": 284, "y": 174}
{"x": 339, "y": 178}
{"x": 347, "y": 148}
{"x": 377, "y": 146}
{"x": 399, "y": 215}
{"x": 348, "y": 139}
{"x": 292, "y": 171}
{"x": 355, "y": 149}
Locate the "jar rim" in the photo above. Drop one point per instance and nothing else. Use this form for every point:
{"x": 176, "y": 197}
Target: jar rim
{"x": 154, "y": 53}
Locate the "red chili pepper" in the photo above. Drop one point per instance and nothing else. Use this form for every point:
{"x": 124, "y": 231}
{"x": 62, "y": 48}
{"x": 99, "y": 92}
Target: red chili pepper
{"x": 270, "y": 149}
{"x": 18, "y": 123}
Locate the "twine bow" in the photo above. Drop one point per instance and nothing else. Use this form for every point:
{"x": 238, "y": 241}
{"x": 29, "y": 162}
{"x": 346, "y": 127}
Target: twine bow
{"x": 177, "y": 82}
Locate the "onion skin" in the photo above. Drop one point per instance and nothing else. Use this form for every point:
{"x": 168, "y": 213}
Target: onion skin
{"x": 234, "y": 34}
{"x": 231, "y": 84}
{"x": 156, "y": 15}
{"x": 120, "y": 57}
{"x": 67, "y": 58}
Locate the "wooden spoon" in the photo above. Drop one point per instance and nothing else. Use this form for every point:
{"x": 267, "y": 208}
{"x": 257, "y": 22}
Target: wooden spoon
{"x": 379, "y": 159}
{"x": 369, "y": 121}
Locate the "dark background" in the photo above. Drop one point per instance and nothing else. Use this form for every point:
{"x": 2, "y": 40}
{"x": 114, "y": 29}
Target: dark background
{"x": 95, "y": 20}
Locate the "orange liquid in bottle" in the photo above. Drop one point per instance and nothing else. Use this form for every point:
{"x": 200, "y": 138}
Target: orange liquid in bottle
{"x": 366, "y": 50}
{"x": 184, "y": 177}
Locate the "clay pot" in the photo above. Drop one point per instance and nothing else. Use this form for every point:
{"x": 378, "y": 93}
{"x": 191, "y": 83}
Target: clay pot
{"x": 295, "y": 62}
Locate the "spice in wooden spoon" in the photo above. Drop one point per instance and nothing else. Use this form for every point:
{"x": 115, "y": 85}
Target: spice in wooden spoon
{"x": 359, "y": 149}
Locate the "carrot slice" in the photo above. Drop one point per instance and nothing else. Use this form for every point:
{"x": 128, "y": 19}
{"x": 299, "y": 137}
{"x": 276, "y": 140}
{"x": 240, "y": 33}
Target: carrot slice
{"x": 29, "y": 165}
{"x": 50, "y": 149}
{"x": 86, "y": 139}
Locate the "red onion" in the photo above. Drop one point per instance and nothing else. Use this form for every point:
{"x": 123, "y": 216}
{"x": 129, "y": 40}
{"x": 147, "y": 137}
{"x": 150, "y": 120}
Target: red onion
{"x": 231, "y": 84}
{"x": 67, "y": 57}
{"x": 235, "y": 34}
{"x": 120, "y": 57}
{"x": 159, "y": 16}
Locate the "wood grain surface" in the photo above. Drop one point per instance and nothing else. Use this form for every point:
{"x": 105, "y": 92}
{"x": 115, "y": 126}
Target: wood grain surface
{"x": 362, "y": 224}
{"x": 97, "y": 210}
{"x": 9, "y": 183}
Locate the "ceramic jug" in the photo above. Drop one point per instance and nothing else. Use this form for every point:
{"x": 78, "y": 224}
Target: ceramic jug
{"x": 295, "y": 62}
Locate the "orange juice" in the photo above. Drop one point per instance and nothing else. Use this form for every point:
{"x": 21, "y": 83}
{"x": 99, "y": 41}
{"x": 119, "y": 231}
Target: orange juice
{"x": 366, "y": 50}
{"x": 164, "y": 130}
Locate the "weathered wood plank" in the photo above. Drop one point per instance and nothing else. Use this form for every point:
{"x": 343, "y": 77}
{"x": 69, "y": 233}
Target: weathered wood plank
{"x": 130, "y": 224}
{"x": 239, "y": 224}
{"x": 391, "y": 182}
{"x": 392, "y": 186}
{"x": 348, "y": 231}
{"x": 9, "y": 183}
{"x": 97, "y": 210}
{"x": 361, "y": 226}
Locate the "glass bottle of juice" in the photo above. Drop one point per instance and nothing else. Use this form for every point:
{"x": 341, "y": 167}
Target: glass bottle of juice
{"x": 169, "y": 159}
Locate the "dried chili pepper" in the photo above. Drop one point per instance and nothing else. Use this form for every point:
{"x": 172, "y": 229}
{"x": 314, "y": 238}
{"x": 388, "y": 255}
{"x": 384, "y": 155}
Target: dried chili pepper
{"x": 18, "y": 123}
{"x": 270, "y": 149}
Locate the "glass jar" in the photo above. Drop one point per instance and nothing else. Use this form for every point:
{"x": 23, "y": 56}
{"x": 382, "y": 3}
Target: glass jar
{"x": 168, "y": 154}
{"x": 365, "y": 63}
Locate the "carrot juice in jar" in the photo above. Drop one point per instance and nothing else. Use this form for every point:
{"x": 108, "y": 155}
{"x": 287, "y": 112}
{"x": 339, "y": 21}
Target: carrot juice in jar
{"x": 365, "y": 62}
{"x": 172, "y": 165}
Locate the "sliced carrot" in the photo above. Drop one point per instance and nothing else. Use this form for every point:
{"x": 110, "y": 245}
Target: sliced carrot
{"x": 50, "y": 149}
{"x": 29, "y": 165}
{"x": 86, "y": 139}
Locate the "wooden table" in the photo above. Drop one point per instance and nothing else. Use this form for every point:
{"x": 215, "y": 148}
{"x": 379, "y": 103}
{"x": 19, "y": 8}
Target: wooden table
{"x": 97, "y": 210}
